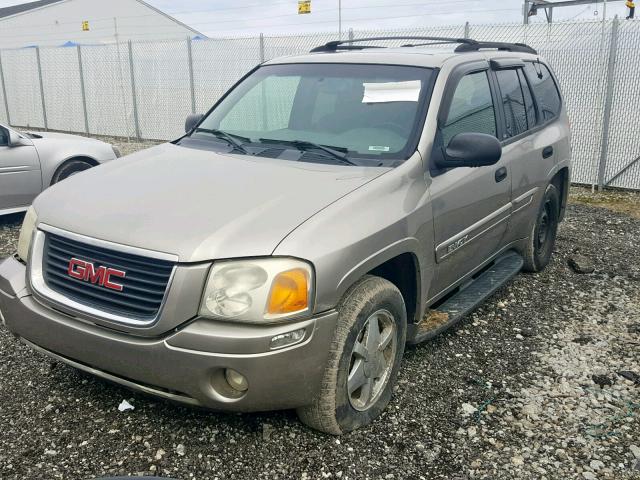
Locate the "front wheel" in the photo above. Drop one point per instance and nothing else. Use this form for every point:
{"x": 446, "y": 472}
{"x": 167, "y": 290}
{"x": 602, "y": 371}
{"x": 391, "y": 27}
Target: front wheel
{"x": 543, "y": 234}
{"x": 364, "y": 360}
{"x": 69, "y": 169}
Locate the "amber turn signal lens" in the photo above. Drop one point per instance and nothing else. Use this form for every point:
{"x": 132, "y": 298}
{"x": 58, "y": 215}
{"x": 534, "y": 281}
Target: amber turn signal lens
{"x": 289, "y": 292}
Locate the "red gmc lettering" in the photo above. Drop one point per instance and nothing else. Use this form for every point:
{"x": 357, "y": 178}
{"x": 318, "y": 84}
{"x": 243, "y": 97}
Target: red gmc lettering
{"x": 112, "y": 272}
{"x": 87, "y": 272}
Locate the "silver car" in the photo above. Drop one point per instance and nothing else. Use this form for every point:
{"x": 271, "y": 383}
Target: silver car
{"x": 32, "y": 161}
{"x": 330, "y": 209}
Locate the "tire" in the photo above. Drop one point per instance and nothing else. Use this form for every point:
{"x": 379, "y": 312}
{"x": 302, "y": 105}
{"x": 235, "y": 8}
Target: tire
{"x": 68, "y": 169}
{"x": 544, "y": 230}
{"x": 370, "y": 301}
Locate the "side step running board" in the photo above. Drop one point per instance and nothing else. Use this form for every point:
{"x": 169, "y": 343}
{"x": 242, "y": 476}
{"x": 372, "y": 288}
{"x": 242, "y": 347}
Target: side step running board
{"x": 470, "y": 295}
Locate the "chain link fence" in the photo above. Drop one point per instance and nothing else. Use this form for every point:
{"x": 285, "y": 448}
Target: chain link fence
{"x": 146, "y": 89}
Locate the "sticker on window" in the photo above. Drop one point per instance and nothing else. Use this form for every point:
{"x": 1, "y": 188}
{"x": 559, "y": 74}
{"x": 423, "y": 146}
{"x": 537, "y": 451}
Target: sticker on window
{"x": 378, "y": 148}
{"x": 391, "y": 92}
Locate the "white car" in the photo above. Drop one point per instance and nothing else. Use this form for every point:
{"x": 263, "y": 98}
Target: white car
{"x": 32, "y": 161}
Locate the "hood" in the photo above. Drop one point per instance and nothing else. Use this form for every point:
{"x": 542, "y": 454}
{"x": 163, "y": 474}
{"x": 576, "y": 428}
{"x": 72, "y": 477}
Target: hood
{"x": 37, "y": 137}
{"x": 196, "y": 204}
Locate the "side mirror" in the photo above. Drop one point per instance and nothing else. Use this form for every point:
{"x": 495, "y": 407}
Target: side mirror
{"x": 14, "y": 139}
{"x": 192, "y": 120}
{"x": 470, "y": 149}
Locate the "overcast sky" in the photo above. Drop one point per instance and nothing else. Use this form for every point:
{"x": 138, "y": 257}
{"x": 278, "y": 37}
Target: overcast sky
{"x": 221, "y": 18}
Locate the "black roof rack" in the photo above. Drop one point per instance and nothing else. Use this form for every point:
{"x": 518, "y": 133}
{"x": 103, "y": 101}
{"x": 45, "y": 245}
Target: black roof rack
{"x": 509, "y": 47}
{"x": 465, "y": 44}
{"x": 348, "y": 44}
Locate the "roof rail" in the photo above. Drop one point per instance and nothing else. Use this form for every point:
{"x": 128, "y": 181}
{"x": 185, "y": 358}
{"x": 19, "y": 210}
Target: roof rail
{"x": 465, "y": 44}
{"x": 348, "y": 44}
{"x": 509, "y": 47}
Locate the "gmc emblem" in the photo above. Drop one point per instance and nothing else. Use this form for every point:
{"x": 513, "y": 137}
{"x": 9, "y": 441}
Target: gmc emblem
{"x": 87, "y": 272}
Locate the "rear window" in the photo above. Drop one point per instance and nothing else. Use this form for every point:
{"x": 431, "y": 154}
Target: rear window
{"x": 544, "y": 89}
{"x": 515, "y": 110}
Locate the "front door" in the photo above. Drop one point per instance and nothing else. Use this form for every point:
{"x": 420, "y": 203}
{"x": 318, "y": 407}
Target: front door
{"x": 20, "y": 176}
{"x": 471, "y": 206}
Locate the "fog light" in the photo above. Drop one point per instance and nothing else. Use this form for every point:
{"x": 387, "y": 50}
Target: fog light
{"x": 236, "y": 380}
{"x": 286, "y": 339}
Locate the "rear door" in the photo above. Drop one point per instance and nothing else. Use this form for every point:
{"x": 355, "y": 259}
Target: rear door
{"x": 471, "y": 206}
{"x": 532, "y": 135}
{"x": 20, "y": 176}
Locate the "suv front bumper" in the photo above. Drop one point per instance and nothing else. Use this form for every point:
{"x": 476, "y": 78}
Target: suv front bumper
{"x": 187, "y": 364}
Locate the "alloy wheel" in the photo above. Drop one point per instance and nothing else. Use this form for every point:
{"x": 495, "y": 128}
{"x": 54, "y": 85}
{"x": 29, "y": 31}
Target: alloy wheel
{"x": 372, "y": 360}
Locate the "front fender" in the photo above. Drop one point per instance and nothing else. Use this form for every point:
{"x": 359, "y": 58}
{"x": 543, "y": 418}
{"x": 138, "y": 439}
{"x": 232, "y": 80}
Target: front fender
{"x": 406, "y": 245}
{"x": 387, "y": 217}
{"x": 54, "y": 153}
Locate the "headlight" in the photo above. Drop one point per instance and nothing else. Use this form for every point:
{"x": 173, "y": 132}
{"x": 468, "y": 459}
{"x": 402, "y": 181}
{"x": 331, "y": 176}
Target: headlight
{"x": 26, "y": 233}
{"x": 258, "y": 290}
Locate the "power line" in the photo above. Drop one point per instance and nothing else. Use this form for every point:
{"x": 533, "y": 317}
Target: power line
{"x": 579, "y": 13}
{"x": 381, "y": 18}
{"x": 215, "y": 10}
{"x": 155, "y": 14}
{"x": 217, "y": 22}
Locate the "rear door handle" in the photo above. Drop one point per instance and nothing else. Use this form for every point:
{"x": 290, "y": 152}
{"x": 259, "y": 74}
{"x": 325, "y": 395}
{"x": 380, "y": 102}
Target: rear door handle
{"x": 547, "y": 151}
{"x": 501, "y": 174}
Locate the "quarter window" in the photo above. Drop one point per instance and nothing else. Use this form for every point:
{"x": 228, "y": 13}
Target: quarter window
{"x": 544, "y": 89}
{"x": 471, "y": 108}
{"x": 513, "y": 103}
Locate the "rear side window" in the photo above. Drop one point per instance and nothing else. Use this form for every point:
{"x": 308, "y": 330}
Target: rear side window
{"x": 515, "y": 110}
{"x": 544, "y": 89}
{"x": 471, "y": 108}
{"x": 529, "y": 105}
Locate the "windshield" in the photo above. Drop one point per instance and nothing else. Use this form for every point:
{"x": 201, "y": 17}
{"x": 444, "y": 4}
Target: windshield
{"x": 343, "y": 113}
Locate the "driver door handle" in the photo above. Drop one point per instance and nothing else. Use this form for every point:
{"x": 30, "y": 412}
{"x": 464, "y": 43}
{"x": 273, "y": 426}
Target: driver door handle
{"x": 501, "y": 174}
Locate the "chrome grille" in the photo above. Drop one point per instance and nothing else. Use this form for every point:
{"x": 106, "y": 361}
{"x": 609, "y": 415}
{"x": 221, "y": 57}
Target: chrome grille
{"x": 143, "y": 286}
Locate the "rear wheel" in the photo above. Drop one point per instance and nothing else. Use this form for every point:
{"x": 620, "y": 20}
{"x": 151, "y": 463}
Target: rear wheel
{"x": 364, "y": 361}
{"x": 543, "y": 232}
{"x": 69, "y": 169}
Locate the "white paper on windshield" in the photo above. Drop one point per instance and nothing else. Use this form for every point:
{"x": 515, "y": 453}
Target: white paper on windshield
{"x": 391, "y": 92}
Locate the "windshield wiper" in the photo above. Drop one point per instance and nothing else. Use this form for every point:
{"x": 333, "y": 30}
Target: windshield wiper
{"x": 228, "y": 137}
{"x": 304, "y": 145}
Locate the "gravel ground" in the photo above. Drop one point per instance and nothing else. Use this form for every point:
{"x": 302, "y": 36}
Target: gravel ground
{"x": 526, "y": 387}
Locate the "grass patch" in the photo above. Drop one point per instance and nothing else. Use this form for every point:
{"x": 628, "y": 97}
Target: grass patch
{"x": 621, "y": 201}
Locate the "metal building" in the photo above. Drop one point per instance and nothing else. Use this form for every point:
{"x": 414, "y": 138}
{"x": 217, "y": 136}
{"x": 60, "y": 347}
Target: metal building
{"x": 60, "y": 22}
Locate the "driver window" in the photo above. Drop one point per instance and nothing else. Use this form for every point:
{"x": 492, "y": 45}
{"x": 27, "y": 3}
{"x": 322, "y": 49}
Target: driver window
{"x": 471, "y": 108}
